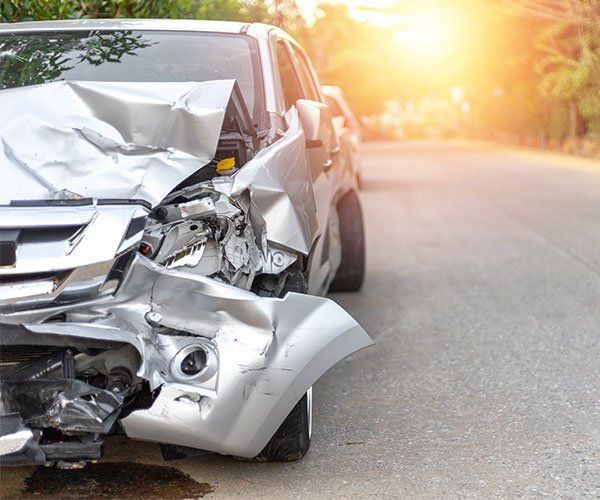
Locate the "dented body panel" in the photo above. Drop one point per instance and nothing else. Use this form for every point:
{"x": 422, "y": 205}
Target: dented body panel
{"x": 93, "y": 139}
{"x": 133, "y": 259}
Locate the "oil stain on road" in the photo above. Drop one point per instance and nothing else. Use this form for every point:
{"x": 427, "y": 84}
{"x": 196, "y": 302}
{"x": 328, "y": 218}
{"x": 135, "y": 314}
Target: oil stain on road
{"x": 121, "y": 480}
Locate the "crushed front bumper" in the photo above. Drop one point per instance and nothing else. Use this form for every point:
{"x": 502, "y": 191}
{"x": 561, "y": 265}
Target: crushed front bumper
{"x": 259, "y": 355}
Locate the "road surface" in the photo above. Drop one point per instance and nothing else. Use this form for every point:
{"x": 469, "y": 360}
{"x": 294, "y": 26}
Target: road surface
{"x": 483, "y": 297}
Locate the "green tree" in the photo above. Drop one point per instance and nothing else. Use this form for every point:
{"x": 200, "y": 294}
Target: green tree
{"x": 238, "y": 10}
{"x": 569, "y": 66}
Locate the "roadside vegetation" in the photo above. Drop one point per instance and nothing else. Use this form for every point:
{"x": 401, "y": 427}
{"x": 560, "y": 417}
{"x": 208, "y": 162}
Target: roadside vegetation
{"x": 523, "y": 71}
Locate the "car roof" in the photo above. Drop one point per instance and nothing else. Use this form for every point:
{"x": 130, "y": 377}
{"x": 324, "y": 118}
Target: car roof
{"x": 134, "y": 24}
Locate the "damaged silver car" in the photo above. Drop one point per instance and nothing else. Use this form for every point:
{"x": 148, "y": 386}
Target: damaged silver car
{"x": 173, "y": 202}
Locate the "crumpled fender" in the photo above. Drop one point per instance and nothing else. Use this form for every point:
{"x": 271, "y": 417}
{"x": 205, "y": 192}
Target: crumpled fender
{"x": 261, "y": 377}
{"x": 283, "y": 198}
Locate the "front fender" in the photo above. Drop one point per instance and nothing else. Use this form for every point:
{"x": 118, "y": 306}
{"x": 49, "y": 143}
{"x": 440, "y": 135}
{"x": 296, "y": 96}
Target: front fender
{"x": 260, "y": 379}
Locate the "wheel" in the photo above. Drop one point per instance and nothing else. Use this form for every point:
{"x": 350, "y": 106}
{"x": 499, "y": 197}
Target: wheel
{"x": 292, "y": 439}
{"x": 351, "y": 273}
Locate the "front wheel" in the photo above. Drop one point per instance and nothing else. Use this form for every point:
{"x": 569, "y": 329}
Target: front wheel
{"x": 292, "y": 439}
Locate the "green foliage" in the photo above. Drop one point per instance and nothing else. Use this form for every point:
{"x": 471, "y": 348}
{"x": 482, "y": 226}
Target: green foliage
{"x": 232, "y": 10}
{"x": 33, "y": 10}
{"x": 570, "y": 70}
{"x": 38, "y": 10}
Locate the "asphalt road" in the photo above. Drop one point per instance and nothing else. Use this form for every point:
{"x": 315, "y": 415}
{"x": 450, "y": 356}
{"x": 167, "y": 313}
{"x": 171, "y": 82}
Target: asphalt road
{"x": 483, "y": 297}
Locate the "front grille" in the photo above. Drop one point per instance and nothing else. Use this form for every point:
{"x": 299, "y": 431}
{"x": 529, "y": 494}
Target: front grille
{"x": 40, "y": 234}
{"x": 31, "y": 287}
{"x": 39, "y": 290}
{"x": 83, "y": 246}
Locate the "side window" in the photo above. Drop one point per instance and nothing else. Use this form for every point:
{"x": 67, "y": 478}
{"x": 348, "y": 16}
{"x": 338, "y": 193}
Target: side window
{"x": 291, "y": 86}
{"x": 306, "y": 76}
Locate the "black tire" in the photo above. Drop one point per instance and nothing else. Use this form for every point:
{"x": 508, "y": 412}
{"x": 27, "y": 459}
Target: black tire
{"x": 351, "y": 273}
{"x": 292, "y": 439}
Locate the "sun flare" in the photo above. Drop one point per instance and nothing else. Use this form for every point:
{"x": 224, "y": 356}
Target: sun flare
{"x": 426, "y": 33}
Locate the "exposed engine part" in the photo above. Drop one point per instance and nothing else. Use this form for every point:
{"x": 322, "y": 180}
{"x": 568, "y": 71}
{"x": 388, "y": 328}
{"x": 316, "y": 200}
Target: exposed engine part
{"x": 68, "y": 405}
{"x": 119, "y": 380}
{"x": 196, "y": 208}
{"x": 68, "y": 363}
{"x": 19, "y": 445}
{"x": 14, "y": 354}
{"x": 58, "y": 406}
{"x": 211, "y": 235}
{"x": 33, "y": 368}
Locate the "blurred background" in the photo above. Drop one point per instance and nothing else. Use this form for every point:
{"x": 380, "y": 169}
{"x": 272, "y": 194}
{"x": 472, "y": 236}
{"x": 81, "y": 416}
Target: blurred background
{"x": 525, "y": 72}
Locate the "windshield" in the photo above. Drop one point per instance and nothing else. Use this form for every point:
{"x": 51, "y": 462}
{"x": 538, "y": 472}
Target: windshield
{"x": 132, "y": 56}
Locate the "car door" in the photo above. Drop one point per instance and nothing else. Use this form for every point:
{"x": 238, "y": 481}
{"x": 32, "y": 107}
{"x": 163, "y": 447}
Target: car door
{"x": 299, "y": 82}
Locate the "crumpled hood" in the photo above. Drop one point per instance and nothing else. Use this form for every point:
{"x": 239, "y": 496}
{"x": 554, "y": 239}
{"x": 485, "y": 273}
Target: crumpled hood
{"x": 115, "y": 140}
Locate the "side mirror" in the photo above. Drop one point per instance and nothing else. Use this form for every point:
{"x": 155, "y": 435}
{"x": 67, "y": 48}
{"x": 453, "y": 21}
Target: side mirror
{"x": 316, "y": 122}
